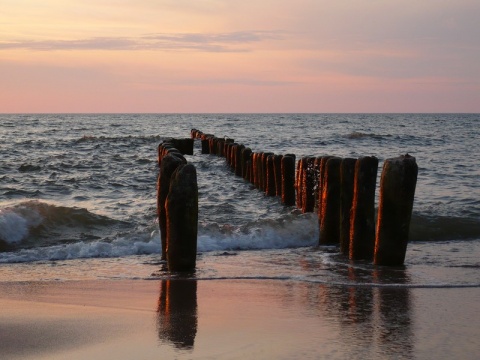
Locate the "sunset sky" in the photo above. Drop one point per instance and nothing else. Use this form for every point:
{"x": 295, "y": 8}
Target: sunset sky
{"x": 239, "y": 56}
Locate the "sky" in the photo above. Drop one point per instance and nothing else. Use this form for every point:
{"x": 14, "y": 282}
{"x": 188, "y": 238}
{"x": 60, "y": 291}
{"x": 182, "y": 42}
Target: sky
{"x": 226, "y": 56}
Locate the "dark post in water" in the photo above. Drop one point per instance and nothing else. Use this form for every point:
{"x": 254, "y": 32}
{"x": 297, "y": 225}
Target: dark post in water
{"x": 169, "y": 164}
{"x": 397, "y": 190}
{"x": 288, "y": 180}
{"x": 347, "y": 176}
{"x": 330, "y": 221}
{"x": 182, "y": 219}
{"x": 362, "y": 218}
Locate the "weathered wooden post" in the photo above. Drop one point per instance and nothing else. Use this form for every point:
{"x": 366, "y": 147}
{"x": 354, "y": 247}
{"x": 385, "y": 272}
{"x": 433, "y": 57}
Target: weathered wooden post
{"x": 221, "y": 147}
{"x": 277, "y": 162}
{"x": 264, "y": 170}
{"x": 316, "y": 166}
{"x": 362, "y": 216}
{"x": 397, "y": 191}
{"x": 347, "y": 176}
{"x": 298, "y": 182}
{"x": 308, "y": 184}
{"x": 238, "y": 159}
{"x": 254, "y": 174}
{"x": 226, "y": 146}
{"x": 320, "y": 180}
{"x": 288, "y": 180}
{"x": 246, "y": 157}
{"x": 330, "y": 220}
{"x": 228, "y": 152}
{"x": 270, "y": 189}
{"x": 185, "y": 146}
{"x": 169, "y": 164}
{"x": 206, "y": 143}
{"x": 182, "y": 219}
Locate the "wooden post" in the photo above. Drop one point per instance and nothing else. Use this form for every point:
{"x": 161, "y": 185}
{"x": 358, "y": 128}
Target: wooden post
{"x": 238, "y": 159}
{"x": 270, "y": 189}
{"x": 288, "y": 180}
{"x": 320, "y": 180}
{"x": 330, "y": 221}
{"x": 308, "y": 184}
{"x": 220, "y": 147}
{"x": 182, "y": 219}
{"x": 264, "y": 170}
{"x": 169, "y": 164}
{"x": 362, "y": 217}
{"x": 277, "y": 162}
{"x": 316, "y": 166}
{"x": 246, "y": 157}
{"x": 205, "y": 144}
{"x": 397, "y": 191}
{"x": 347, "y": 176}
{"x": 298, "y": 182}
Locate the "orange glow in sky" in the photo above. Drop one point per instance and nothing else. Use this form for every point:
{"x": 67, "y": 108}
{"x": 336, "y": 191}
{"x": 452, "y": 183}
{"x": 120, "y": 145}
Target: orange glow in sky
{"x": 239, "y": 56}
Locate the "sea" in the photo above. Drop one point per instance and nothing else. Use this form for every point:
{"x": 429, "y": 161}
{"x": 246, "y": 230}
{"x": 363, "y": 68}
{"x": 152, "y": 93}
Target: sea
{"x": 78, "y": 198}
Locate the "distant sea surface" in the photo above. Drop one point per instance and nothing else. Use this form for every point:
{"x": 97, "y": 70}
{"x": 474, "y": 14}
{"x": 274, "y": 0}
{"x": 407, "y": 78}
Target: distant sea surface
{"x": 78, "y": 197}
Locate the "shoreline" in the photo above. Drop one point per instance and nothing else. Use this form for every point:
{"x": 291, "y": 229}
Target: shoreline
{"x": 143, "y": 319}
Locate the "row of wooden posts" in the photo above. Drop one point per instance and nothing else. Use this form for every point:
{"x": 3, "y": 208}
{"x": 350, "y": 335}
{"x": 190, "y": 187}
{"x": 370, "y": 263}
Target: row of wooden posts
{"x": 177, "y": 204}
{"x": 341, "y": 189}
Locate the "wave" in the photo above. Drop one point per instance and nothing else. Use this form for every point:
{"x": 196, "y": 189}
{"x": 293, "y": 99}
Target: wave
{"x": 114, "y": 139}
{"x": 360, "y": 135}
{"x": 35, "y": 230}
{"x": 443, "y": 228}
{"x": 36, "y": 223}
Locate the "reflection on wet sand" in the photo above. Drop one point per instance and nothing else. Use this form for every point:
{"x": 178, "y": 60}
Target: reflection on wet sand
{"x": 177, "y": 312}
{"x": 395, "y": 310}
{"x": 365, "y": 318}
{"x": 374, "y": 314}
{"x": 372, "y": 317}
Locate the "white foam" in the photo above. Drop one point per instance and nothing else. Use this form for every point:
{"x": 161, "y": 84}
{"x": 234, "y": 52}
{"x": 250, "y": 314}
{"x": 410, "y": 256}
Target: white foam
{"x": 81, "y": 250}
{"x": 270, "y": 235}
{"x": 302, "y": 231}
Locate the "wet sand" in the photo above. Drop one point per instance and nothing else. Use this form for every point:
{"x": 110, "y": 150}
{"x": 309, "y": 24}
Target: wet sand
{"x": 235, "y": 319}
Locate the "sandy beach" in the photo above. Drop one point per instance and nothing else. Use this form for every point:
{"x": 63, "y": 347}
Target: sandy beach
{"x": 234, "y": 319}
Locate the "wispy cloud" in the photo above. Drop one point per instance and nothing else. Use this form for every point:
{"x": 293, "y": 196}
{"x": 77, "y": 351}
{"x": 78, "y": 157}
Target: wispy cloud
{"x": 206, "y": 42}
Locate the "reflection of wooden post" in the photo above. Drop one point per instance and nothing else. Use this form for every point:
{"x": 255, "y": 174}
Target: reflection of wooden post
{"x": 288, "y": 180}
{"x": 330, "y": 221}
{"x": 177, "y": 312}
{"x": 362, "y": 217}
{"x": 182, "y": 219}
{"x": 347, "y": 176}
{"x": 397, "y": 190}
{"x": 169, "y": 164}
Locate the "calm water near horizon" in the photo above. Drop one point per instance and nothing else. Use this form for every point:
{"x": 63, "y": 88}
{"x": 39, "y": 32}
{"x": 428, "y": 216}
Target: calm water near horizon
{"x": 77, "y": 197}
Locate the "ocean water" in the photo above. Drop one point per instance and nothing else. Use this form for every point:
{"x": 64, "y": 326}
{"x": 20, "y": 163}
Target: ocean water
{"x": 78, "y": 198}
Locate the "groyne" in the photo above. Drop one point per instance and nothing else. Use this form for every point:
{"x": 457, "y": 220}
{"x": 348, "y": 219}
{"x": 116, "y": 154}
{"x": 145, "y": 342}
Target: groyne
{"x": 341, "y": 191}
